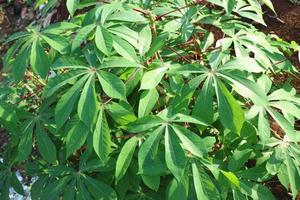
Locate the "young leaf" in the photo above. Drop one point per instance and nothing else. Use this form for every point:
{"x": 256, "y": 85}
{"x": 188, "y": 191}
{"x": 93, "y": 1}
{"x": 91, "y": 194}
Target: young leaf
{"x": 125, "y": 157}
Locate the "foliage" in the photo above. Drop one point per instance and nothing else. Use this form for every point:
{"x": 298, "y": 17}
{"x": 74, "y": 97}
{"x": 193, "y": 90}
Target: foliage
{"x": 150, "y": 100}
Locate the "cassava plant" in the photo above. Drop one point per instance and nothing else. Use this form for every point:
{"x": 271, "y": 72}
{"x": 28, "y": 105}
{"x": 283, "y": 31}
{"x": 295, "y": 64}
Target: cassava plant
{"x": 146, "y": 99}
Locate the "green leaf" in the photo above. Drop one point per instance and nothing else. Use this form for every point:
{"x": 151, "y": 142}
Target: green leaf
{"x": 45, "y": 146}
{"x": 293, "y": 174}
{"x": 127, "y": 16}
{"x": 20, "y": 64}
{"x": 149, "y": 149}
{"x": 57, "y": 42}
{"x": 119, "y": 62}
{"x": 229, "y": 5}
{"x": 87, "y": 105}
{"x": 112, "y": 85}
{"x": 204, "y": 103}
{"x": 238, "y": 159}
{"x": 205, "y": 188}
{"x": 244, "y": 63}
{"x": 152, "y": 78}
{"x": 39, "y": 60}
{"x": 144, "y": 123}
{"x": 264, "y": 130}
{"x": 121, "y": 113}
{"x": 55, "y": 83}
{"x": 66, "y": 103}
{"x": 152, "y": 182}
{"x": 286, "y": 126}
{"x": 99, "y": 189}
{"x": 125, "y": 157}
{"x": 101, "y": 138}
{"x": 190, "y": 141}
{"x": 231, "y": 177}
{"x": 231, "y": 114}
{"x": 25, "y": 144}
{"x": 16, "y": 184}
{"x": 124, "y": 49}
{"x": 145, "y": 39}
{"x": 256, "y": 191}
{"x": 81, "y": 36}
{"x": 103, "y": 40}
{"x": 175, "y": 156}
{"x": 76, "y": 137}
{"x": 72, "y": 6}
{"x": 147, "y": 101}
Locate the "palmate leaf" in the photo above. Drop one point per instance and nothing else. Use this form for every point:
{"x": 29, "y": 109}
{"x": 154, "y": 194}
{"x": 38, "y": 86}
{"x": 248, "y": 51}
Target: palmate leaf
{"x": 152, "y": 78}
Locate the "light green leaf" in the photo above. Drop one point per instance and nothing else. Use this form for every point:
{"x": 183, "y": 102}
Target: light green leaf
{"x": 119, "y": 62}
